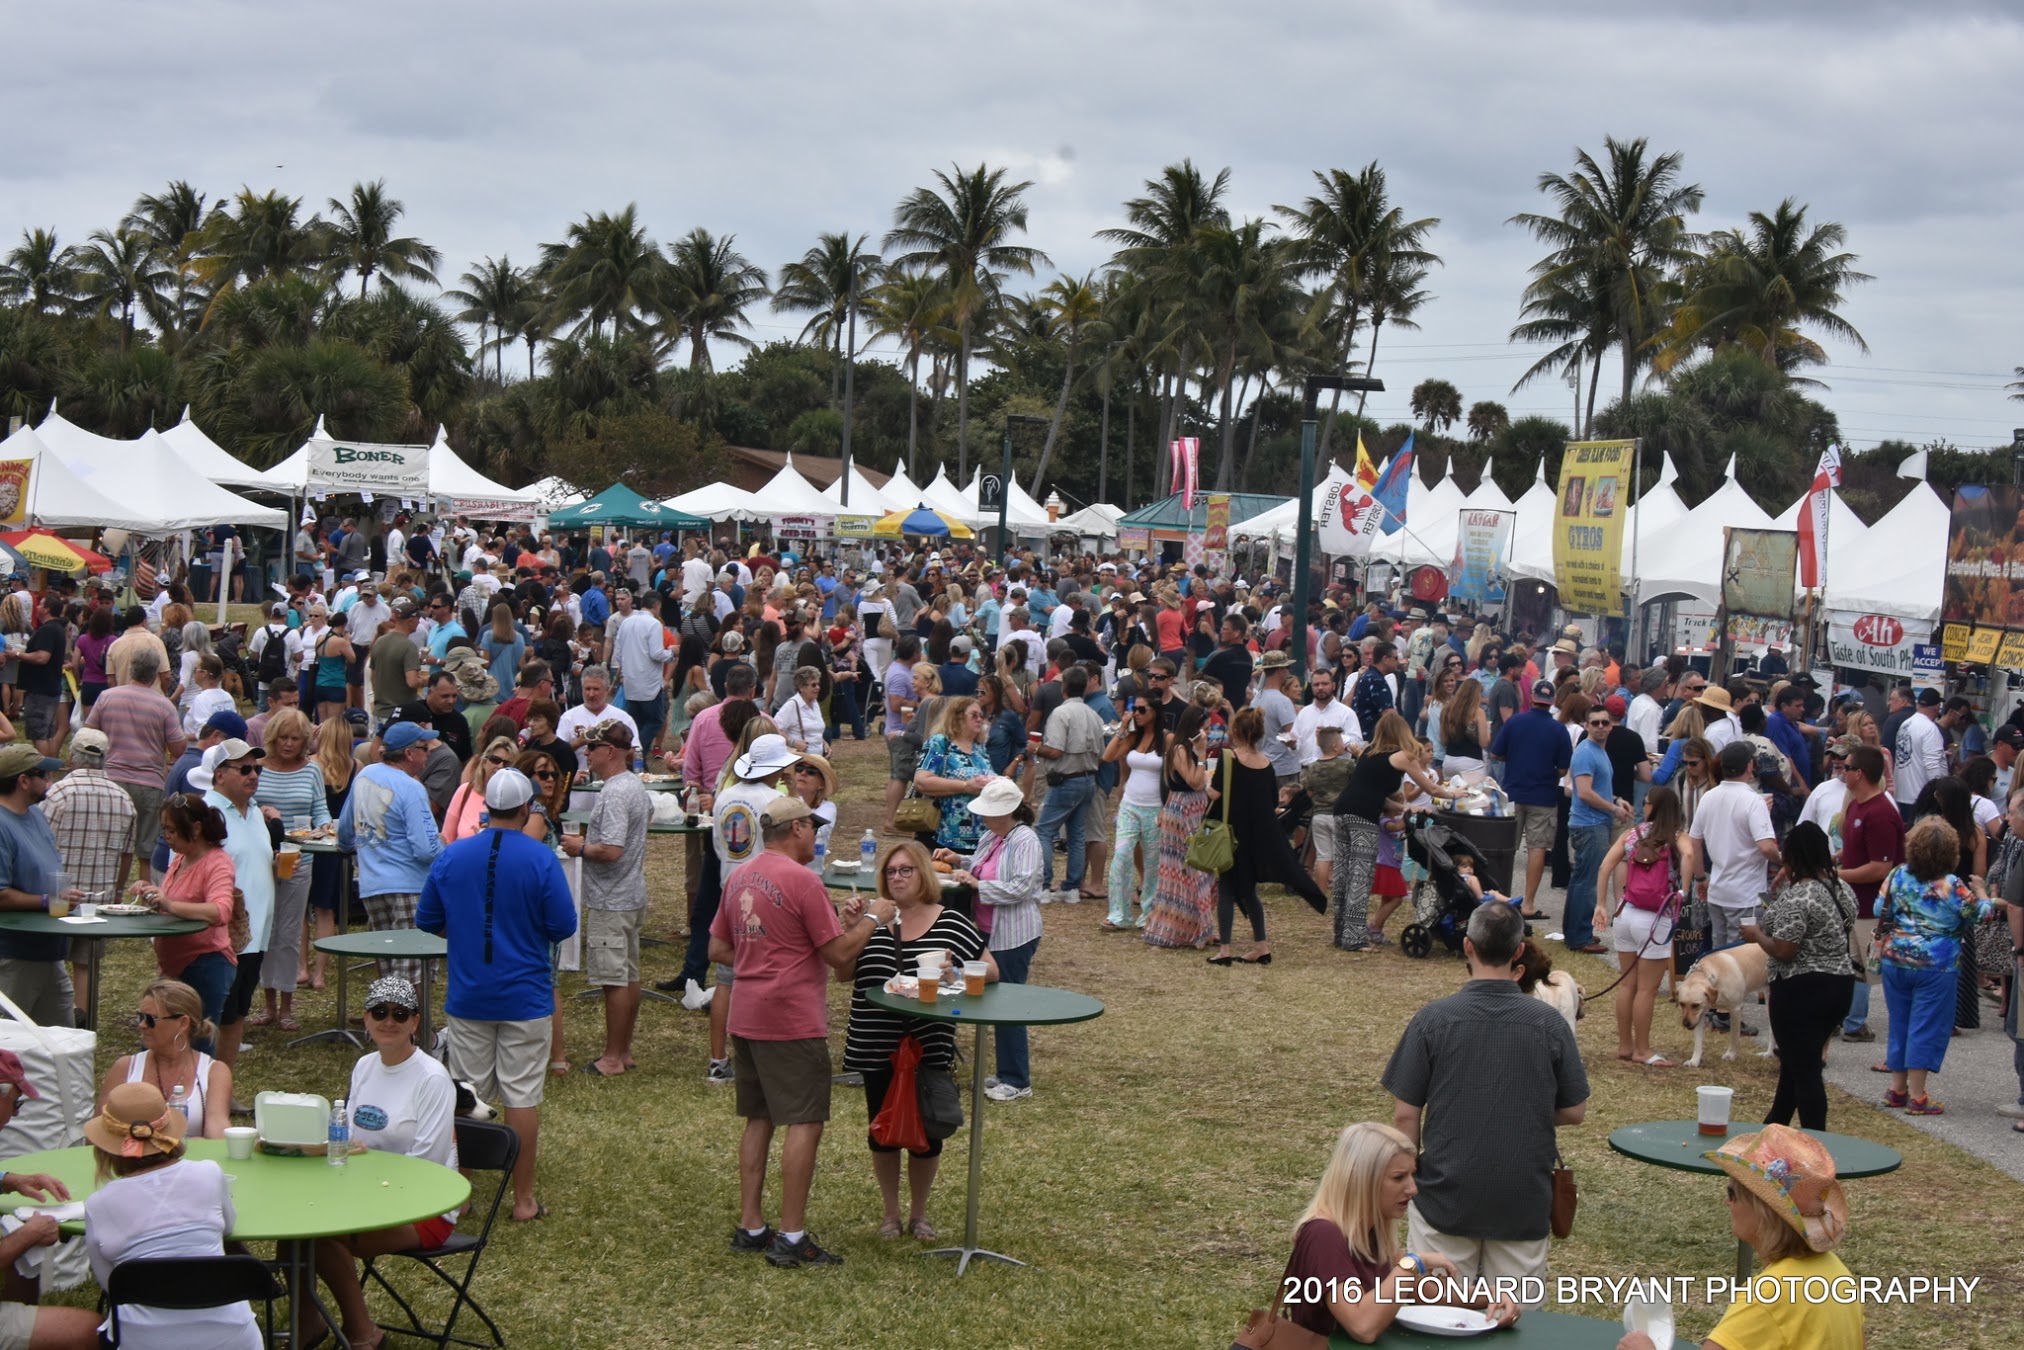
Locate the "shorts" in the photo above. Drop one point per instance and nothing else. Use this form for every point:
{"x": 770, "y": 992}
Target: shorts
{"x": 1096, "y": 817}
{"x": 611, "y": 946}
{"x": 786, "y": 1082}
{"x": 147, "y": 817}
{"x": 506, "y": 1060}
{"x": 1632, "y": 926}
{"x": 39, "y": 711}
{"x": 17, "y": 1325}
{"x": 1321, "y": 832}
{"x": 431, "y": 1234}
{"x": 245, "y": 980}
{"x": 1536, "y": 825}
{"x": 1387, "y": 880}
{"x": 902, "y": 757}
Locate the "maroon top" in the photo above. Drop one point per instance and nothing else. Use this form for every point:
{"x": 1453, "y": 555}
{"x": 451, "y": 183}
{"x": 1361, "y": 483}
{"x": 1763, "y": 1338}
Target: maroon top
{"x": 1321, "y": 1254}
{"x": 1871, "y": 831}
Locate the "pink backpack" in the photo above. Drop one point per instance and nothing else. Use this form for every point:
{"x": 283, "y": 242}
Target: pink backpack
{"x": 1649, "y": 885}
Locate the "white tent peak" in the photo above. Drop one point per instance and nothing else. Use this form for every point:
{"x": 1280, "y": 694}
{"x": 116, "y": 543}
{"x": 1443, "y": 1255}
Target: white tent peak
{"x": 1730, "y": 472}
{"x": 442, "y": 435}
{"x": 319, "y": 434}
{"x": 1539, "y": 474}
{"x": 186, "y": 414}
{"x": 1667, "y": 473}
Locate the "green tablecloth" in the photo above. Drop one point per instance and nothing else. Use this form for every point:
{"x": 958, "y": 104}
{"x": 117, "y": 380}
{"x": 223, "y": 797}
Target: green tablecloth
{"x": 386, "y": 944}
{"x": 1537, "y": 1328}
{"x": 1678, "y": 1144}
{"x": 281, "y": 1198}
{"x": 702, "y": 825}
{"x": 140, "y": 926}
{"x": 651, "y": 785}
{"x": 1000, "y": 1004}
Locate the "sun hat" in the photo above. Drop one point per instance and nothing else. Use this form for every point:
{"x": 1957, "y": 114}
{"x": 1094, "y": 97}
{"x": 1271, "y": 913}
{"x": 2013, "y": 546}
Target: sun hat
{"x": 474, "y": 683}
{"x": 392, "y": 989}
{"x": 769, "y": 754}
{"x": 402, "y": 735}
{"x": 1542, "y": 692}
{"x": 783, "y": 809}
{"x": 136, "y": 1121}
{"x": 508, "y": 790}
{"x": 1566, "y": 647}
{"x": 828, "y": 771}
{"x": 1793, "y": 1173}
{"x": 1716, "y": 697}
{"x": 999, "y": 797}
{"x": 12, "y": 1073}
{"x": 1274, "y": 660}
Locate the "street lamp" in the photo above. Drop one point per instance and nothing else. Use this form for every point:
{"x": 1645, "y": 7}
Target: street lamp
{"x": 1304, "y": 546}
{"x": 1005, "y": 481}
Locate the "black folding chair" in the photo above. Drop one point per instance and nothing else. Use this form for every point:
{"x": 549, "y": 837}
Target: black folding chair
{"x": 183, "y": 1283}
{"x": 482, "y": 1146}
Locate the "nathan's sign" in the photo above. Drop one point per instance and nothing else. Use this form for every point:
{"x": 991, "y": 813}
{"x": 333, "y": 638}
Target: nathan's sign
{"x": 1877, "y": 642}
{"x": 388, "y": 470}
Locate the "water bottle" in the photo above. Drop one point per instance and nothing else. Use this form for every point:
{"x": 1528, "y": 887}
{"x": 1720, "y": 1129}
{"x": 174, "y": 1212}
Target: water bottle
{"x": 179, "y": 1100}
{"x": 338, "y": 1144}
{"x": 639, "y": 759}
{"x": 867, "y": 850}
{"x": 821, "y": 851}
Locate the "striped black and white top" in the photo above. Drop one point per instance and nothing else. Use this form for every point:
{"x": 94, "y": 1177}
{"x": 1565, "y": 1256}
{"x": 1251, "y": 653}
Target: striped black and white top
{"x": 875, "y": 1033}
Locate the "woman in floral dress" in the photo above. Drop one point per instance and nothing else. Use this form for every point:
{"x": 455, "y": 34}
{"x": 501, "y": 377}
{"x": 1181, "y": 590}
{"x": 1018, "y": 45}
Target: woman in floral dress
{"x": 1184, "y": 899}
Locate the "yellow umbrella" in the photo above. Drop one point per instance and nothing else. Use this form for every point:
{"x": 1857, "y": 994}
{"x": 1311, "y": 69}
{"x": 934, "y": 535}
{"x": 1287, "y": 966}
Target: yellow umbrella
{"x": 40, "y": 548}
{"x": 922, "y": 521}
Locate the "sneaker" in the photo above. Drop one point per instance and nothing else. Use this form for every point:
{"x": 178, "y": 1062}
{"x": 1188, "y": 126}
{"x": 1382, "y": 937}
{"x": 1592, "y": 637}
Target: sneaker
{"x": 1071, "y": 895}
{"x": 742, "y": 1241}
{"x": 1895, "y": 1100}
{"x": 1859, "y": 1036}
{"x": 2013, "y": 1110}
{"x": 696, "y": 998}
{"x": 1048, "y": 896}
{"x": 1924, "y": 1106}
{"x": 720, "y": 1073}
{"x": 990, "y": 1082}
{"x": 787, "y": 1254}
{"x": 1005, "y": 1092}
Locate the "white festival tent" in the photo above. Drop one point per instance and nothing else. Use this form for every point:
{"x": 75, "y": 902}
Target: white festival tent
{"x": 944, "y": 496}
{"x": 1685, "y": 557}
{"x": 1487, "y": 497}
{"x": 1282, "y": 522}
{"x": 1427, "y": 539}
{"x": 1848, "y": 538}
{"x": 1904, "y": 577}
{"x": 555, "y": 493}
{"x": 212, "y": 460}
{"x": 452, "y": 484}
{"x": 148, "y": 473}
{"x": 719, "y": 502}
{"x": 1658, "y": 510}
{"x": 865, "y": 499}
{"x": 61, "y": 500}
{"x": 1023, "y": 515}
{"x": 900, "y": 488}
{"x": 1091, "y": 522}
{"x": 787, "y": 493}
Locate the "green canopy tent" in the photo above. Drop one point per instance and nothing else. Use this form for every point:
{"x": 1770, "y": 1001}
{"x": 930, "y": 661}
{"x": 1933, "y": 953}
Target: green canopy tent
{"x": 619, "y": 505}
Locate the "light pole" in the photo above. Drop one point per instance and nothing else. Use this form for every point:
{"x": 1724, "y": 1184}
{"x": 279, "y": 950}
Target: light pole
{"x": 849, "y": 383}
{"x": 1005, "y": 480}
{"x": 1303, "y": 549}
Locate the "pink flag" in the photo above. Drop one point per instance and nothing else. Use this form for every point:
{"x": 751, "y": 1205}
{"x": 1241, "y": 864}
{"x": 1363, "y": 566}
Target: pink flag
{"x": 1186, "y": 455}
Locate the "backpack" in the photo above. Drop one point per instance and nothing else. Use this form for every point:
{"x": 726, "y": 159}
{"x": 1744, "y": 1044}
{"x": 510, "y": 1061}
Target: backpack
{"x": 273, "y": 655}
{"x": 1648, "y": 885}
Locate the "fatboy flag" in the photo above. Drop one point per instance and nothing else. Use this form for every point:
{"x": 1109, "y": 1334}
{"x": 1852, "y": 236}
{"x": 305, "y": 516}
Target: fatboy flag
{"x": 1186, "y": 456}
{"x": 1813, "y": 519}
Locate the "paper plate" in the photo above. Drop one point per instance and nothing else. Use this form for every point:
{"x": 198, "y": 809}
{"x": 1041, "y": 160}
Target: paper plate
{"x": 1435, "y": 1320}
{"x": 1653, "y": 1319}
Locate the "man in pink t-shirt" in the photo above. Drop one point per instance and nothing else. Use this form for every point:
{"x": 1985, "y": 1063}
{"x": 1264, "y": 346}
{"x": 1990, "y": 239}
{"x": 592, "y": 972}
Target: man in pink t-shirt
{"x": 779, "y": 933}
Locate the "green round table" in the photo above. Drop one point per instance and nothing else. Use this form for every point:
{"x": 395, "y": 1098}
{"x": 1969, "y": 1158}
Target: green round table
{"x": 284, "y": 1200}
{"x": 999, "y": 1005}
{"x": 35, "y": 922}
{"x": 1535, "y": 1328}
{"x": 650, "y": 784}
{"x": 862, "y": 878}
{"x": 1679, "y": 1144}
{"x": 410, "y": 944}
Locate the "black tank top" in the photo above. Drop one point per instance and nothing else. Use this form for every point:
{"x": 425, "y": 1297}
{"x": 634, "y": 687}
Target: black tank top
{"x": 1373, "y": 780}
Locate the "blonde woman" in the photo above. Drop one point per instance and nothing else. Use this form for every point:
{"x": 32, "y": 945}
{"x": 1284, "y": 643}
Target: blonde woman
{"x": 467, "y": 803}
{"x": 291, "y": 785}
{"x": 171, "y": 1021}
{"x": 338, "y": 765}
{"x": 1864, "y": 728}
{"x": 1347, "y": 1239}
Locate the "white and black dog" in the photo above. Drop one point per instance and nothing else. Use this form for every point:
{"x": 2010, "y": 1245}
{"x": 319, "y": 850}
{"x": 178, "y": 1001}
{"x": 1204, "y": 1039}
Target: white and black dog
{"x": 468, "y": 1105}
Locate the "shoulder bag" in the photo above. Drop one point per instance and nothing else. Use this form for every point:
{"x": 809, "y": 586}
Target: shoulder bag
{"x": 1267, "y": 1330}
{"x": 1566, "y": 1196}
{"x": 1213, "y": 847}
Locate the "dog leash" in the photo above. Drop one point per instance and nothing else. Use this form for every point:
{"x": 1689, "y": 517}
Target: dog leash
{"x": 1674, "y": 903}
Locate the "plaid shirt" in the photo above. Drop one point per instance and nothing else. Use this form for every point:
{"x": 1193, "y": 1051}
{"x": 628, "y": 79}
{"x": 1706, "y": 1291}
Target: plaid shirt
{"x": 93, "y": 818}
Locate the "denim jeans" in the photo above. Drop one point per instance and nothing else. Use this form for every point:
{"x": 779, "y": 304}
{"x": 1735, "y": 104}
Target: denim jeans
{"x": 1858, "y": 1012}
{"x": 1014, "y": 1065}
{"x": 1064, "y": 805}
{"x": 709, "y": 895}
{"x": 1590, "y": 844}
{"x": 211, "y": 975}
{"x": 649, "y": 715}
{"x": 844, "y": 711}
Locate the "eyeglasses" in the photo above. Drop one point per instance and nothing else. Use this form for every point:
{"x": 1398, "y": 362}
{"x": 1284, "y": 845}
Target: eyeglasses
{"x": 902, "y": 871}
{"x": 248, "y": 769}
{"x": 148, "y": 1020}
{"x": 388, "y": 1012}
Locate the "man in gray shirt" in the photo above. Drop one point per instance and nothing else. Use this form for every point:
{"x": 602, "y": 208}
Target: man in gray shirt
{"x": 614, "y": 852}
{"x": 1275, "y": 673}
{"x": 1070, "y": 750}
{"x": 905, "y": 599}
{"x": 1481, "y": 1078}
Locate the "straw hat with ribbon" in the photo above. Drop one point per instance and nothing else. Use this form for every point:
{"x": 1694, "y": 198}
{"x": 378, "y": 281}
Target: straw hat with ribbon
{"x": 1793, "y": 1173}
{"x": 1716, "y": 697}
{"x": 136, "y": 1122}
{"x": 821, "y": 765}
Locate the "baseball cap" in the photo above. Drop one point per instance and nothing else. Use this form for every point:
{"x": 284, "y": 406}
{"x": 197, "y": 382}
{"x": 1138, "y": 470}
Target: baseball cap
{"x": 1542, "y": 691}
{"x": 1615, "y": 706}
{"x": 1841, "y": 747}
{"x": 24, "y": 758}
{"x": 1929, "y": 698}
{"x": 229, "y": 722}
{"x": 2010, "y": 734}
{"x": 610, "y": 732}
{"x": 961, "y": 645}
{"x": 508, "y": 790}
{"x": 12, "y": 1072}
{"x": 401, "y": 735}
{"x": 91, "y": 741}
{"x": 404, "y": 607}
{"x": 783, "y": 809}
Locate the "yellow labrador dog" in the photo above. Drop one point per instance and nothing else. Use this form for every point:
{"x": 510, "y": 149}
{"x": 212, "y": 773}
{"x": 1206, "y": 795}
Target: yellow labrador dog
{"x": 1725, "y": 981}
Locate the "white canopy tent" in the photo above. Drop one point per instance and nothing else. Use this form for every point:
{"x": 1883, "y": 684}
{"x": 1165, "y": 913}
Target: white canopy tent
{"x": 212, "y": 460}
{"x": 787, "y": 493}
{"x": 1684, "y": 558}
{"x": 1649, "y": 523}
{"x": 1427, "y": 538}
{"x": 1488, "y": 496}
{"x": 1901, "y": 566}
{"x": 902, "y": 489}
{"x": 865, "y": 499}
{"x": 452, "y": 484}
{"x": 1098, "y": 521}
{"x": 1023, "y": 515}
{"x": 944, "y": 496}
{"x": 554, "y": 493}
{"x": 59, "y": 499}
{"x": 1281, "y": 522}
{"x": 719, "y": 502}
{"x": 159, "y": 484}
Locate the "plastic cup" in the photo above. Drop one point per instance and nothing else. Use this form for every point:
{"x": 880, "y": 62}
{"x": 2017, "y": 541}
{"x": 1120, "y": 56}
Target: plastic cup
{"x": 930, "y": 986}
{"x": 572, "y": 827}
{"x": 59, "y": 894}
{"x": 974, "y": 974}
{"x": 239, "y": 1141}
{"x": 87, "y": 910}
{"x": 286, "y": 860}
{"x": 1714, "y": 1104}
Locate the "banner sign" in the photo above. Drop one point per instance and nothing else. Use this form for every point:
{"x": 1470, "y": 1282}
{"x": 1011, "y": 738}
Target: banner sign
{"x": 855, "y": 527}
{"x": 1985, "y": 559}
{"x": 2010, "y": 652}
{"x": 395, "y": 470}
{"x": 1876, "y": 642}
{"x": 1927, "y": 668}
{"x": 1696, "y": 629}
{"x": 488, "y": 508}
{"x": 1482, "y": 546}
{"x": 1757, "y": 570}
{"x": 1191, "y": 549}
{"x": 1186, "y": 454}
{"x": 1813, "y": 518}
{"x": 1757, "y": 630}
{"x": 1348, "y": 521}
{"x": 1134, "y": 540}
{"x": 15, "y": 475}
{"x": 1954, "y": 641}
{"x": 799, "y": 527}
{"x": 1588, "y": 526}
{"x": 1219, "y": 522}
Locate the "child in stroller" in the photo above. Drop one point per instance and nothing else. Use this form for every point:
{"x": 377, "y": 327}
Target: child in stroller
{"x": 1443, "y": 902}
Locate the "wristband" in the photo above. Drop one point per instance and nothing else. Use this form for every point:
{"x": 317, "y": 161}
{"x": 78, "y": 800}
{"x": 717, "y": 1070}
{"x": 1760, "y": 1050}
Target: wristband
{"x": 1413, "y": 1262}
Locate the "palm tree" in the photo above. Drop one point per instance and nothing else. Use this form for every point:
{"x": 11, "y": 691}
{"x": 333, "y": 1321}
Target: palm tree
{"x": 170, "y": 220}
{"x": 1248, "y": 306}
{"x": 40, "y": 273}
{"x": 1756, "y": 288}
{"x": 2017, "y": 384}
{"x": 412, "y": 336}
{"x": 913, "y": 307}
{"x": 1351, "y": 235}
{"x": 361, "y": 238}
{"x": 494, "y": 297}
{"x": 606, "y": 271}
{"x": 258, "y": 235}
{"x": 707, "y": 288}
{"x": 1572, "y": 312}
{"x": 963, "y": 231}
{"x": 1487, "y": 421}
{"x": 1622, "y": 224}
{"x": 117, "y": 270}
{"x": 1437, "y": 403}
{"x": 821, "y": 285}
{"x": 1395, "y": 296}
{"x": 1075, "y": 312}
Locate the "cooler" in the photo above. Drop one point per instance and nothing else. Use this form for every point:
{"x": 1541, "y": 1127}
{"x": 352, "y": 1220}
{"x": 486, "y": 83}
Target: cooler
{"x": 1495, "y": 837}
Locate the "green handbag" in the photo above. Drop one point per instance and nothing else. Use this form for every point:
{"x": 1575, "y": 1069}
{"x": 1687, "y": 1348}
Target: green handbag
{"x": 1213, "y": 848}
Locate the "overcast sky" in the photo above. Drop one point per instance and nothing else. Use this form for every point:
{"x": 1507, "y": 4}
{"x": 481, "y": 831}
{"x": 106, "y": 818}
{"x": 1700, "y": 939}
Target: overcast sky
{"x": 498, "y": 123}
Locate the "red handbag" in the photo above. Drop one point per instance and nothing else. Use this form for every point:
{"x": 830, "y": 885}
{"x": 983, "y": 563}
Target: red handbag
{"x": 898, "y": 1123}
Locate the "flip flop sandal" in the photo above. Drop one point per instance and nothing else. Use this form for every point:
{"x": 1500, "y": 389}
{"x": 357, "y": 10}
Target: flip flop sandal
{"x": 590, "y": 1067}
{"x": 558, "y": 1066}
{"x": 265, "y": 1019}
{"x": 923, "y": 1230}
{"x": 891, "y": 1230}
{"x": 1108, "y": 927}
{"x": 1879, "y": 1068}
{"x": 540, "y": 1212}
{"x": 1658, "y": 1062}
{"x": 287, "y": 1024}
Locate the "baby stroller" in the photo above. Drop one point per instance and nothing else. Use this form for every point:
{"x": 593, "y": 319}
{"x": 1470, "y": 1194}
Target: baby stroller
{"x": 1442, "y": 901}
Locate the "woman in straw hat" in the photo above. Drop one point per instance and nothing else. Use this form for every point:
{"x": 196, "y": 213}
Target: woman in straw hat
{"x": 1784, "y": 1202}
{"x": 153, "y": 1203}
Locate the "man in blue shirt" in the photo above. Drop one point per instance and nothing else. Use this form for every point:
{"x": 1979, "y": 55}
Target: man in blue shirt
{"x": 388, "y": 826}
{"x": 228, "y": 776}
{"x": 1782, "y": 726}
{"x": 596, "y": 606}
{"x": 1593, "y": 809}
{"x": 1534, "y": 749}
{"x": 32, "y": 972}
{"x": 500, "y": 899}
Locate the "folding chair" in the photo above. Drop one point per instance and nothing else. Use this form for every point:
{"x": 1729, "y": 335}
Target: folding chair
{"x": 482, "y": 1146}
{"x": 193, "y": 1282}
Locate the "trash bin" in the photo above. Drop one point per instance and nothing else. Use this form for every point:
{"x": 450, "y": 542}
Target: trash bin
{"x": 1495, "y": 837}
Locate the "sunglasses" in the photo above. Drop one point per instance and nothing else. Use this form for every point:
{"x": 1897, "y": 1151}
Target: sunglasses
{"x": 497, "y": 762}
{"x": 1600, "y": 722}
{"x": 248, "y": 769}
{"x": 387, "y": 1012}
{"x": 148, "y": 1020}
{"x": 808, "y": 769}
{"x": 548, "y": 777}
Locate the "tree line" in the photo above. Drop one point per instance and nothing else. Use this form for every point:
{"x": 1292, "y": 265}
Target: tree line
{"x": 597, "y": 357}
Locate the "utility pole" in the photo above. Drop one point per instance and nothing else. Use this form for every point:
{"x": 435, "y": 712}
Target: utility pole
{"x": 849, "y": 376}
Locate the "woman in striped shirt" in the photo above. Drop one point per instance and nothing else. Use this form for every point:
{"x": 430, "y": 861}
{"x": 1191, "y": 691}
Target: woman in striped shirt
{"x": 291, "y": 784}
{"x": 1005, "y": 872}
